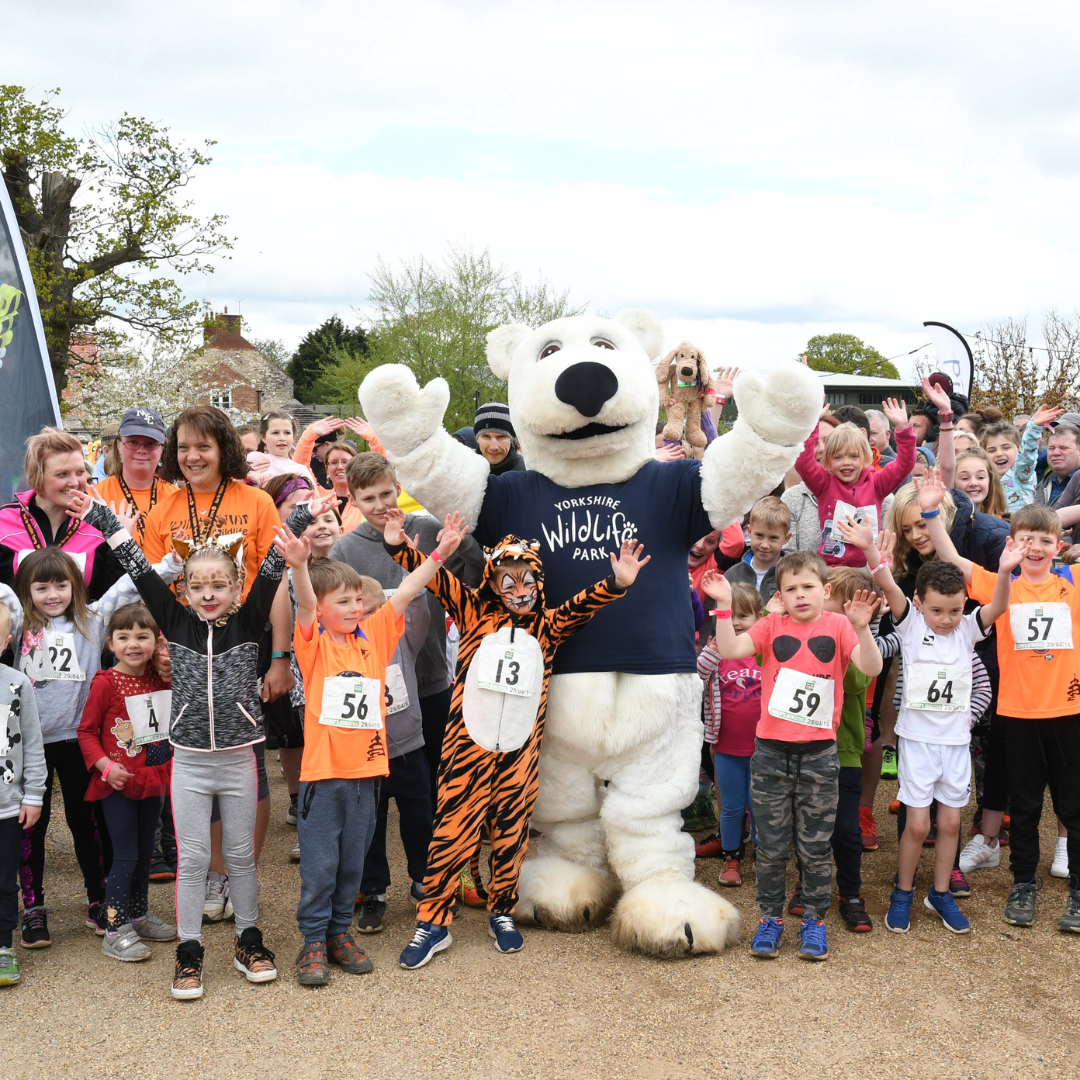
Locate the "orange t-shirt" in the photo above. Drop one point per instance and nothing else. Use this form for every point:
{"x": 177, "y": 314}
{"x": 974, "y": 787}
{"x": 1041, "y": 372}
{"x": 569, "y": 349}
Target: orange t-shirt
{"x": 343, "y": 753}
{"x": 109, "y": 489}
{"x": 1038, "y": 683}
{"x": 244, "y": 509}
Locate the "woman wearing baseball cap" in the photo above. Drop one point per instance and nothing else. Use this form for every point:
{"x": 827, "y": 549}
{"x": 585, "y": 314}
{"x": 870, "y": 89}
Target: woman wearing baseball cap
{"x": 133, "y": 461}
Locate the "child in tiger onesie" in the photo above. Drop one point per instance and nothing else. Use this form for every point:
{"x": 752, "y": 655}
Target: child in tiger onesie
{"x": 488, "y": 771}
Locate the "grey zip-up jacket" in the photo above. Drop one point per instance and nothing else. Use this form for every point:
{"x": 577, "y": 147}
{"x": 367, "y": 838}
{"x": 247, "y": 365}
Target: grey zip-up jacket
{"x": 22, "y": 753}
{"x": 363, "y": 550}
{"x": 60, "y": 701}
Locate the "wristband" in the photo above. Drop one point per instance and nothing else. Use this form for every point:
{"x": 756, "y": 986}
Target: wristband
{"x": 877, "y": 569}
{"x": 105, "y": 771}
{"x": 436, "y": 557}
{"x": 929, "y": 513}
{"x": 720, "y": 399}
{"x": 949, "y": 428}
{"x": 946, "y": 416}
{"x": 721, "y": 614}
{"x": 280, "y": 655}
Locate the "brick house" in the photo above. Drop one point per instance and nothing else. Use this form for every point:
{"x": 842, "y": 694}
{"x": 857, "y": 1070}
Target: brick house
{"x": 241, "y": 377}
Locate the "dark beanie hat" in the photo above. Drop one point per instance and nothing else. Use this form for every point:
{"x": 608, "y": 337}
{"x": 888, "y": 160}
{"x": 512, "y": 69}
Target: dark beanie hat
{"x": 495, "y": 415}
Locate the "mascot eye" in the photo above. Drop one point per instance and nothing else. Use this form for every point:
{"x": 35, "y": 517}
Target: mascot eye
{"x": 548, "y": 350}
{"x": 600, "y": 343}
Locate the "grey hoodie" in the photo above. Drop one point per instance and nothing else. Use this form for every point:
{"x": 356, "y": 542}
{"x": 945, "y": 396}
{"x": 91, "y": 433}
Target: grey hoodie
{"x": 404, "y": 729}
{"x": 363, "y": 550}
{"x": 22, "y": 754}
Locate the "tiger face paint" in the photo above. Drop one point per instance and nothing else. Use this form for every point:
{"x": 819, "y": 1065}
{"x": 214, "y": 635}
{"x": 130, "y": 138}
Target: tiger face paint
{"x": 515, "y": 585}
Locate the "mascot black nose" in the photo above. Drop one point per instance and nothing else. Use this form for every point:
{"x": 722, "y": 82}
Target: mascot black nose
{"x": 587, "y": 386}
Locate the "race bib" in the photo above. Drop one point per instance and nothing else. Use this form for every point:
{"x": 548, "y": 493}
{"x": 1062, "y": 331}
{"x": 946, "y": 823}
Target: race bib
{"x": 396, "y": 692}
{"x": 55, "y": 659}
{"x": 863, "y": 515}
{"x": 149, "y": 716}
{"x": 802, "y": 699}
{"x": 351, "y": 701}
{"x": 505, "y": 667}
{"x": 1041, "y": 626}
{"x": 937, "y": 687}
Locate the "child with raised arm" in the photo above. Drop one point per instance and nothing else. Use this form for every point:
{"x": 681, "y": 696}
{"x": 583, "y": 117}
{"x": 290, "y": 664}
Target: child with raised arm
{"x": 345, "y": 752}
{"x": 794, "y": 771}
{"x": 934, "y": 722}
{"x": 488, "y": 772}
{"x": 846, "y": 484}
{"x": 1038, "y": 692}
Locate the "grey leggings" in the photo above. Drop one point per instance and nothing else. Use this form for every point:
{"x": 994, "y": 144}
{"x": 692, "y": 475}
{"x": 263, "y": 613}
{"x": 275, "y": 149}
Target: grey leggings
{"x": 197, "y": 777}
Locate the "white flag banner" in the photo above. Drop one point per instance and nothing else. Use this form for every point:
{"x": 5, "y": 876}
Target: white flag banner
{"x": 953, "y": 356}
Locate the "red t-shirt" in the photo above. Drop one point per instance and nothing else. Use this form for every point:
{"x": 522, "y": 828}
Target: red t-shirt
{"x": 740, "y": 706}
{"x": 802, "y": 667}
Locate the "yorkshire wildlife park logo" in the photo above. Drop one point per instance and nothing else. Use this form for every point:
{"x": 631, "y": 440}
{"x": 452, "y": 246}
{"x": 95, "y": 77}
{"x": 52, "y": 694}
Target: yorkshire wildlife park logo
{"x": 591, "y": 526}
{"x": 9, "y": 308}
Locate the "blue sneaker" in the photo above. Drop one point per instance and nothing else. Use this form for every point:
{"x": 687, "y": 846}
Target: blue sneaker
{"x": 898, "y": 917}
{"x": 766, "y": 941}
{"x": 812, "y": 942}
{"x": 426, "y": 942}
{"x": 943, "y": 904}
{"x": 506, "y": 934}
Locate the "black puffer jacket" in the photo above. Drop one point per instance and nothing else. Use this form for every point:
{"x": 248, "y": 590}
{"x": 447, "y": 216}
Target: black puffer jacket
{"x": 215, "y": 691}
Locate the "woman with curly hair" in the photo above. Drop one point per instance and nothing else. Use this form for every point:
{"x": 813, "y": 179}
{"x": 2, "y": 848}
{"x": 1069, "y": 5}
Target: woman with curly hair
{"x": 204, "y": 450}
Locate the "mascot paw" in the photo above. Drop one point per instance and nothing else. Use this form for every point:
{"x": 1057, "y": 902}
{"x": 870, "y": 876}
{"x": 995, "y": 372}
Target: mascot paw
{"x": 674, "y": 918}
{"x": 782, "y": 405}
{"x": 562, "y": 895}
{"x": 402, "y": 414}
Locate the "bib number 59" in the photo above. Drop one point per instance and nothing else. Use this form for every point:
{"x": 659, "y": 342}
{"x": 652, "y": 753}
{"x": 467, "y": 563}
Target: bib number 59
{"x": 805, "y": 701}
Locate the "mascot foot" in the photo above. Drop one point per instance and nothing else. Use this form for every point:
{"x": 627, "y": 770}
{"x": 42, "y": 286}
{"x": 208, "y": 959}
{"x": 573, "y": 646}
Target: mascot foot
{"x": 562, "y": 895}
{"x": 673, "y": 918}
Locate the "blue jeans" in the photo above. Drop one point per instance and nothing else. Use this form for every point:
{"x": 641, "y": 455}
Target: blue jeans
{"x": 334, "y": 826}
{"x": 733, "y": 783}
{"x": 131, "y": 825}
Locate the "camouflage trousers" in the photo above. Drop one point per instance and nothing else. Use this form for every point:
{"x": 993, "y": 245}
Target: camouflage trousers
{"x": 794, "y": 794}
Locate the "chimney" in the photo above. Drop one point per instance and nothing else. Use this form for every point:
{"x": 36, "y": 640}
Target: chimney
{"x": 222, "y": 331}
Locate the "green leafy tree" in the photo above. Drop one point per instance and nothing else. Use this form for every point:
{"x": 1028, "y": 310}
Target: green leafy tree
{"x": 435, "y": 318}
{"x": 105, "y": 225}
{"x": 323, "y": 348}
{"x": 847, "y": 355}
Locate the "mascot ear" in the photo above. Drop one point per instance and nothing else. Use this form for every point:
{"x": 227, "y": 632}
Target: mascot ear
{"x": 645, "y": 326}
{"x": 502, "y": 342}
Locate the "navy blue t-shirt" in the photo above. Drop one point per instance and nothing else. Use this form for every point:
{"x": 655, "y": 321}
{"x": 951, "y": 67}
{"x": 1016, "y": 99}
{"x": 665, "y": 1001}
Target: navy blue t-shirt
{"x": 650, "y": 631}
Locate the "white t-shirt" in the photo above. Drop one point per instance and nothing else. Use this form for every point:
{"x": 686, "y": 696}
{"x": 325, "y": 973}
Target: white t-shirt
{"x": 937, "y": 680}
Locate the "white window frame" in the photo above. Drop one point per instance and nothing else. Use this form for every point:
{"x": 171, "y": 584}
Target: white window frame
{"x": 221, "y": 399}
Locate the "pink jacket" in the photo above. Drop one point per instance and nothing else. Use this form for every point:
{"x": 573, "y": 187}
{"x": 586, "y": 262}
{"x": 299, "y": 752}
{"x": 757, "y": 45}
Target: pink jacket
{"x": 82, "y": 546}
{"x": 862, "y": 500}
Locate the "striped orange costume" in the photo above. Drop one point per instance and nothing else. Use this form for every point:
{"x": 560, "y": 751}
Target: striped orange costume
{"x": 484, "y": 781}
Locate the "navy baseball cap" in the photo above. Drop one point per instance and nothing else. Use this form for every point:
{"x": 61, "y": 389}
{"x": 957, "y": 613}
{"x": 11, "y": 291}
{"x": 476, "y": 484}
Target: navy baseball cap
{"x": 144, "y": 422}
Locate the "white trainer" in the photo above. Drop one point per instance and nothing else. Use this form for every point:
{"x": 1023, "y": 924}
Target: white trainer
{"x": 978, "y": 854}
{"x": 1060, "y": 866}
{"x": 217, "y": 897}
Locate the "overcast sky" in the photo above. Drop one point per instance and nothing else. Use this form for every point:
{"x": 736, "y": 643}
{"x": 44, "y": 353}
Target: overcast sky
{"x": 754, "y": 173}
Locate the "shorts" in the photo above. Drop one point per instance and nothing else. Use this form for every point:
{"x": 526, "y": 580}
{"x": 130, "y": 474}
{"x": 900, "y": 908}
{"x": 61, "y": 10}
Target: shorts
{"x": 930, "y": 771}
{"x": 263, "y": 780}
{"x": 284, "y": 724}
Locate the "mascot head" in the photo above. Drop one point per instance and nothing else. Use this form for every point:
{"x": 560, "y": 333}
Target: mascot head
{"x": 582, "y": 393}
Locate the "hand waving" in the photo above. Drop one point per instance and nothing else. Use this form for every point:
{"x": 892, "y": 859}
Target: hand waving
{"x": 931, "y": 490}
{"x": 937, "y": 396}
{"x": 296, "y": 549}
{"x": 452, "y": 533}
{"x": 895, "y": 411}
{"x": 860, "y": 609}
{"x": 714, "y": 584}
{"x": 851, "y": 532}
{"x": 629, "y": 563}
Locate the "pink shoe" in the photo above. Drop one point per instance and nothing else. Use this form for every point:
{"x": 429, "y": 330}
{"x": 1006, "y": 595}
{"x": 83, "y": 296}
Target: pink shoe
{"x": 730, "y": 874}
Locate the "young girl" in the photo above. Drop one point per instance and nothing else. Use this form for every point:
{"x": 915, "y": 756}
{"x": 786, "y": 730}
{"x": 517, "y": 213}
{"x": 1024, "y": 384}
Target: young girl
{"x": 1014, "y": 458}
{"x": 59, "y": 639}
{"x": 122, "y": 736}
{"x": 213, "y": 645}
{"x": 976, "y": 478}
{"x": 278, "y": 432}
{"x": 732, "y": 711}
{"x": 846, "y": 484}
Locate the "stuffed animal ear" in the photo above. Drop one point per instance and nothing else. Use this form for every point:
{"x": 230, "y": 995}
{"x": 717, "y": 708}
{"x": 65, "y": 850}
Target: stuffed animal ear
{"x": 645, "y": 326}
{"x": 663, "y": 369}
{"x": 182, "y": 548}
{"x": 502, "y": 343}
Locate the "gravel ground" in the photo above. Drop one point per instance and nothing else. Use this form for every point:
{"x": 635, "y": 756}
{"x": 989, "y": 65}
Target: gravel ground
{"x": 997, "y": 1001}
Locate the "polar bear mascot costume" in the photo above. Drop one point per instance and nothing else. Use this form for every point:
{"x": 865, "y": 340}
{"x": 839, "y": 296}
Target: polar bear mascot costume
{"x": 622, "y": 748}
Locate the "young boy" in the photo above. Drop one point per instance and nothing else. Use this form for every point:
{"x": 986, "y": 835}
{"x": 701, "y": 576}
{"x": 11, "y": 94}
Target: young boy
{"x": 22, "y": 790}
{"x": 933, "y": 725}
{"x": 1038, "y": 692}
{"x": 770, "y": 530}
{"x": 345, "y": 752}
{"x": 806, "y": 651}
{"x": 374, "y": 489}
{"x": 409, "y": 783}
{"x": 488, "y": 772}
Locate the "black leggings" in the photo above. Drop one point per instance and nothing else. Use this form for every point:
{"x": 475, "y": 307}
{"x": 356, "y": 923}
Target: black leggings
{"x": 87, "y": 825}
{"x": 434, "y": 713}
{"x": 132, "y": 823}
{"x": 11, "y": 838}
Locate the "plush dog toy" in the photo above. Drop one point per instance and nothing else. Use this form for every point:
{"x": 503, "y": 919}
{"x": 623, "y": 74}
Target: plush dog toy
{"x": 688, "y": 387}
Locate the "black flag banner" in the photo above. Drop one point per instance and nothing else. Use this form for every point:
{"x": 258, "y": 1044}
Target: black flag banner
{"x": 27, "y": 395}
